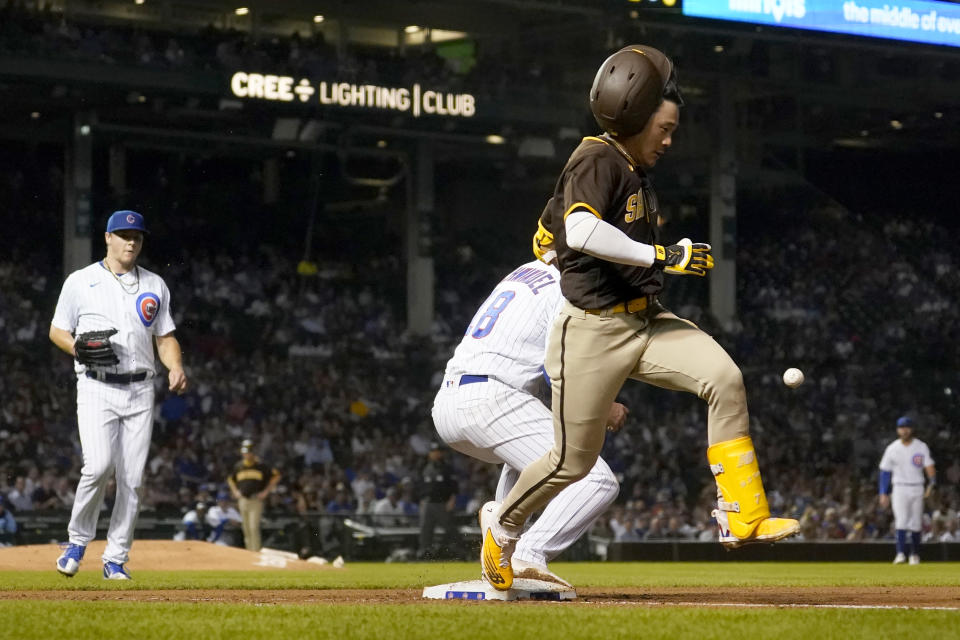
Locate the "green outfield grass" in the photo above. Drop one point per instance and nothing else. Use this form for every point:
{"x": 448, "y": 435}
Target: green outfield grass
{"x": 96, "y": 620}
{"x": 451, "y": 621}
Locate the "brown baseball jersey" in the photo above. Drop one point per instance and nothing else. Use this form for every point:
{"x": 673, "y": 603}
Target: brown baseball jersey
{"x": 251, "y": 479}
{"x": 599, "y": 178}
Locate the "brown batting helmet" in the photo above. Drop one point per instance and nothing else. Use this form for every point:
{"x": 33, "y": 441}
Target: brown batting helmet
{"x": 630, "y": 86}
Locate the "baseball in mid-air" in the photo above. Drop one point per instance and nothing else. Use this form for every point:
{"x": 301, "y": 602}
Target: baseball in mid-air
{"x": 793, "y": 377}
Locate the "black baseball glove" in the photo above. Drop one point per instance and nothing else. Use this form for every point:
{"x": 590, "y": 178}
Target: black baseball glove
{"x": 94, "y": 348}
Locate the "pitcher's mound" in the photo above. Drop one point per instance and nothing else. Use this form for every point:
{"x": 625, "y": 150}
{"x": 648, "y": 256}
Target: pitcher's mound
{"x": 160, "y": 555}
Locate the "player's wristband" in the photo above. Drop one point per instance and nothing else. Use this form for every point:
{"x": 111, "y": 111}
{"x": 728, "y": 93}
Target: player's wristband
{"x": 932, "y": 482}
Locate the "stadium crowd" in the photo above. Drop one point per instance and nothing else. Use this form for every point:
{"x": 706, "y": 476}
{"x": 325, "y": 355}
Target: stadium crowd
{"x": 314, "y": 369}
{"x": 46, "y": 33}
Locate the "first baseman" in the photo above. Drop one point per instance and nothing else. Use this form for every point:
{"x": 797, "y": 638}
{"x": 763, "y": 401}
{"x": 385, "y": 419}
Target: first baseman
{"x": 108, "y": 317}
{"x": 904, "y": 463}
{"x": 602, "y": 223}
{"x": 487, "y": 408}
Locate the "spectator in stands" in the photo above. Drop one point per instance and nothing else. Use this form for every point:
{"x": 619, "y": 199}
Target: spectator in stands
{"x": 18, "y": 497}
{"x": 8, "y": 526}
{"x": 44, "y": 496}
{"x": 387, "y": 509}
{"x": 341, "y": 503}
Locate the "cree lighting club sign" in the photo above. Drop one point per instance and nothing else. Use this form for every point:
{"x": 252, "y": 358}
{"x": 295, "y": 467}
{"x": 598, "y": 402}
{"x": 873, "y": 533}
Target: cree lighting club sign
{"x": 415, "y": 100}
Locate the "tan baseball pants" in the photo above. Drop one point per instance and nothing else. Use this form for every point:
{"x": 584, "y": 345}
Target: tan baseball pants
{"x": 589, "y": 357}
{"x": 251, "y": 510}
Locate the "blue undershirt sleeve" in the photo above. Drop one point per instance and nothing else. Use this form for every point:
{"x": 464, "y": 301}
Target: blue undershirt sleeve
{"x": 884, "y": 484}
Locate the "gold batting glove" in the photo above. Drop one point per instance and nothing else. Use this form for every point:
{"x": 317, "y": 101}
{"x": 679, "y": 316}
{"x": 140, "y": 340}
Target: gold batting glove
{"x": 685, "y": 258}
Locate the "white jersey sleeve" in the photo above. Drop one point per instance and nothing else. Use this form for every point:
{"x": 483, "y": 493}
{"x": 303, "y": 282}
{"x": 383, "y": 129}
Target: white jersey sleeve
{"x": 507, "y": 336}
{"x": 887, "y": 461}
{"x": 66, "y": 315}
{"x": 164, "y": 322}
{"x": 925, "y": 452}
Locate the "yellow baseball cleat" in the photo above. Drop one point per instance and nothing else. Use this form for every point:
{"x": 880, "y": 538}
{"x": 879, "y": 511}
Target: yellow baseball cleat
{"x": 742, "y": 512}
{"x": 497, "y": 549}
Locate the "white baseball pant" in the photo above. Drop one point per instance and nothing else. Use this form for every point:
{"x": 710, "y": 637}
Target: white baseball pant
{"x": 115, "y": 424}
{"x": 496, "y": 423}
{"x": 907, "y": 503}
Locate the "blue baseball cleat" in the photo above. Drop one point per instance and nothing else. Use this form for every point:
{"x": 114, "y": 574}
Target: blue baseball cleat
{"x": 114, "y": 571}
{"x": 69, "y": 561}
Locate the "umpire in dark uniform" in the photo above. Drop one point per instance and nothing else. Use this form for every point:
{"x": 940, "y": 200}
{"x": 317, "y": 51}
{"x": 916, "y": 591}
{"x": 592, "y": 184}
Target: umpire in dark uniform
{"x": 438, "y": 492}
{"x": 250, "y": 483}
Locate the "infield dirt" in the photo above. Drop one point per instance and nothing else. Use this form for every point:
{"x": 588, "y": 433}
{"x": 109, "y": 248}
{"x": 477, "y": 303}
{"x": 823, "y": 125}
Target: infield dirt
{"x": 159, "y": 555}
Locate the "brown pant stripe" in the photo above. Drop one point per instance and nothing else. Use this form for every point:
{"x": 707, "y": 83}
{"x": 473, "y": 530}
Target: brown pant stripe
{"x": 563, "y": 430}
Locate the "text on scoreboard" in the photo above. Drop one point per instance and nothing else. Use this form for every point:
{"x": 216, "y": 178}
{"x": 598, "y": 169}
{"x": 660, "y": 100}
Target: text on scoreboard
{"x": 927, "y": 21}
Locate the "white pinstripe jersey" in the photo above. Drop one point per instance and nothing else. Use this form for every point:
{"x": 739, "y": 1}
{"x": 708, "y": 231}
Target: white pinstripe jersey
{"x": 91, "y": 299}
{"x": 907, "y": 462}
{"x": 507, "y": 337}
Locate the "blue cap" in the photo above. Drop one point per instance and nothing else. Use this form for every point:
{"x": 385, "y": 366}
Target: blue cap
{"x": 126, "y": 219}
{"x": 904, "y": 421}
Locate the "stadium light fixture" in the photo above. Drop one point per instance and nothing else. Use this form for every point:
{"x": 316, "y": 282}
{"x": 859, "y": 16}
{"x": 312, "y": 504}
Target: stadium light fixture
{"x": 381, "y": 144}
{"x": 35, "y": 114}
{"x": 138, "y": 1}
{"x": 896, "y": 125}
{"x": 241, "y": 11}
{"x": 493, "y": 138}
{"x": 317, "y": 19}
{"x": 938, "y": 114}
{"x": 411, "y": 28}
{"x": 718, "y": 48}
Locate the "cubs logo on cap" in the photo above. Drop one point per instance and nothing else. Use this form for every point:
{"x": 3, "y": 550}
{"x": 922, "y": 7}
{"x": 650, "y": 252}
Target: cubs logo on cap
{"x": 147, "y": 306}
{"x": 126, "y": 219}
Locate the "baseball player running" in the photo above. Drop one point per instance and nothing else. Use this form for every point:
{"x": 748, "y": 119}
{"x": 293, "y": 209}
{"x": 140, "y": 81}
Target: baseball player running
{"x": 108, "y": 316}
{"x": 601, "y": 221}
{"x": 904, "y": 463}
{"x": 487, "y": 408}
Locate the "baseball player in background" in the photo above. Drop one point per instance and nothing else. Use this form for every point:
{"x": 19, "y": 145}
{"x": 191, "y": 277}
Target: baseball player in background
{"x": 250, "y": 483}
{"x": 602, "y": 222}
{"x": 904, "y": 463}
{"x": 108, "y": 317}
{"x": 487, "y": 408}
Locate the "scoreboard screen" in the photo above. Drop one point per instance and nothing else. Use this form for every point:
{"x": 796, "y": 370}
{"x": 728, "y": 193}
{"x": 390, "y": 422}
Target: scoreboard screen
{"x": 925, "y": 21}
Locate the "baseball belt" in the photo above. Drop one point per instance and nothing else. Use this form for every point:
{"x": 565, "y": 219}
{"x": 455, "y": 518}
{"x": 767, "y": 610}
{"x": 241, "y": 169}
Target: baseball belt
{"x": 116, "y": 378}
{"x": 630, "y": 306}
